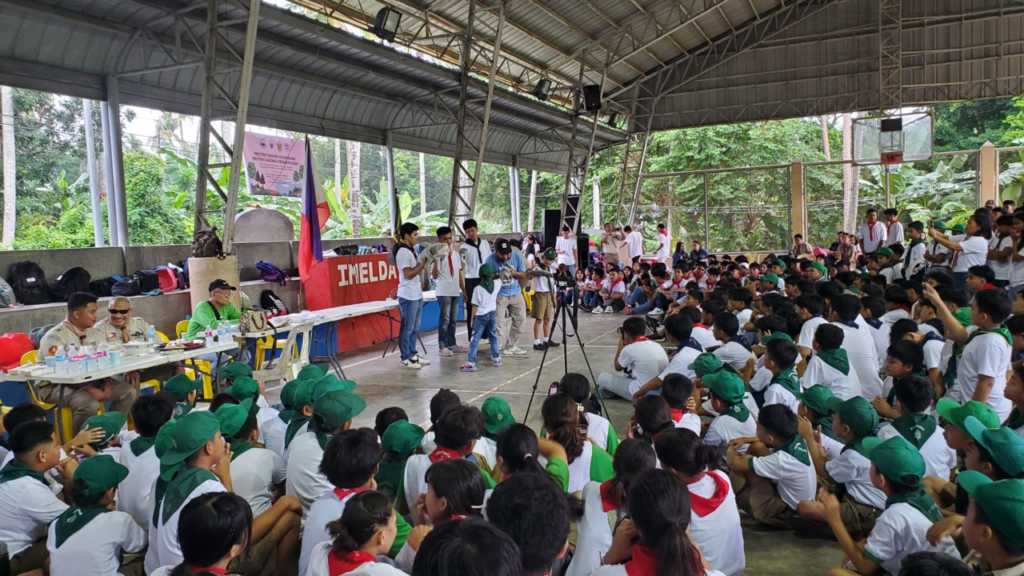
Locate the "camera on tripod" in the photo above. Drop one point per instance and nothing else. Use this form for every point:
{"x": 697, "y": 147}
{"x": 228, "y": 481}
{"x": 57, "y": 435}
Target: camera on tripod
{"x": 563, "y": 279}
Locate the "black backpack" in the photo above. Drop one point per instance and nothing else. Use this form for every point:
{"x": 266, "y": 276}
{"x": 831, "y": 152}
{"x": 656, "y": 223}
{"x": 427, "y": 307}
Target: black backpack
{"x": 74, "y": 279}
{"x": 102, "y": 287}
{"x": 124, "y": 287}
{"x": 272, "y": 304}
{"x": 29, "y": 283}
{"x": 147, "y": 280}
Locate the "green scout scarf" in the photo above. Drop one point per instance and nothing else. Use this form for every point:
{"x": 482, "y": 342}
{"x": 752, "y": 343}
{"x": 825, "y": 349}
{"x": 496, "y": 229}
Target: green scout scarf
{"x": 174, "y": 493}
{"x": 16, "y": 469}
{"x": 920, "y": 500}
{"x": 837, "y": 359}
{"x": 1002, "y": 331}
{"x": 857, "y": 445}
{"x": 826, "y": 426}
{"x": 293, "y": 428}
{"x": 141, "y": 444}
{"x": 286, "y": 415}
{"x": 738, "y": 411}
{"x": 1016, "y": 419}
{"x": 74, "y": 519}
{"x": 239, "y": 447}
{"x": 322, "y": 436}
{"x": 797, "y": 448}
{"x": 391, "y": 477}
{"x": 788, "y": 380}
{"x": 180, "y": 409}
{"x": 486, "y": 278}
{"x": 915, "y": 427}
{"x": 963, "y": 316}
{"x": 906, "y": 256}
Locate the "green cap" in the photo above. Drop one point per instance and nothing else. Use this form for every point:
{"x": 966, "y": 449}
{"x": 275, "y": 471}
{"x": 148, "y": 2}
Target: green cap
{"x": 288, "y": 393}
{"x": 939, "y": 225}
{"x": 233, "y": 416}
{"x": 857, "y": 413}
{"x": 335, "y": 408}
{"x": 233, "y": 370}
{"x": 550, "y": 254}
{"x": 819, "y": 267}
{"x": 163, "y": 438}
{"x": 302, "y": 396}
{"x": 816, "y": 398}
{"x": 956, "y": 414}
{"x": 497, "y": 414}
{"x": 884, "y": 251}
{"x": 727, "y": 385}
{"x": 705, "y": 364}
{"x": 312, "y": 372}
{"x": 770, "y": 277}
{"x": 100, "y": 473}
{"x": 180, "y": 386}
{"x": 329, "y": 383}
{"x": 244, "y": 387}
{"x": 1002, "y": 502}
{"x": 778, "y": 262}
{"x": 865, "y": 276}
{"x": 110, "y": 422}
{"x": 776, "y": 336}
{"x": 402, "y": 438}
{"x": 895, "y": 458}
{"x": 959, "y": 228}
{"x": 188, "y": 434}
{"x": 1005, "y": 446}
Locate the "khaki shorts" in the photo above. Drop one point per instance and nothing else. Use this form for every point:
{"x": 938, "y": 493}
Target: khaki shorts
{"x": 542, "y": 306}
{"x": 29, "y": 559}
{"x": 761, "y": 501}
{"x": 259, "y": 559}
{"x": 611, "y": 258}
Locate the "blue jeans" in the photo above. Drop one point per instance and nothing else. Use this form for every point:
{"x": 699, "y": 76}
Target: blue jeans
{"x": 572, "y": 269}
{"x": 592, "y": 299}
{"x": 637, "y": 296}
{"x": 486, "y": 323}
{"x": 960, "y": 280}
{"x": 449, "y": 306}
{"x": 411, "y": 311}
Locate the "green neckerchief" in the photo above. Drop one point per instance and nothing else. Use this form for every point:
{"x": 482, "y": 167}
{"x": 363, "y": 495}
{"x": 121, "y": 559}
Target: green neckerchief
{"x": 239, "y": 447}
{"x": 74, "y": 519}
{"x": 180, "y": 409}
{"x": 788, "y": 380}
{"x": 915, "y": 427}
{"x": 920, "y": 500}
{"x": 487, "y": 284}
{"x": 837, "y": 359}
{"x": 857, "y": 445}
{"x": 738, "y": 411}
{"x": 293, "y": 428}
{"x": 906, "y": 256}
{"x": 286, "y": 415}
{"x": 1001, "y": 330}
{"x": 322, "y": 436}
{"x": 963, "y": 316}
{"x": 141, "y": 444}
{"x": 797, "y": 448}
{"x": 1016, "y": 419}
{"x": 391, "y": 477}
{"x": 174, "y": 493}
{"x": 16, "y": 469}
{"x": 826, "y": 426}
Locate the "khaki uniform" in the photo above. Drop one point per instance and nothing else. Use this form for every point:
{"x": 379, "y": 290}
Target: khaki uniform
{"x": 104, "y": 331}
{"x": 62, "y": 335}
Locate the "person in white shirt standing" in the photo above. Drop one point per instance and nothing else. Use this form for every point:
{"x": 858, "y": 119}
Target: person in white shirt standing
{"x": 664, "y": 245}
{"x": 893, "y": 227}
{"x": 914, "y": 258}
{"x": 451, "y": 284}
{"x": 635, "y": 241}
{"x": 565, "y": 247}
{"x": 872, "y": 233}
{"x": 645, "y": 360}
{"x": 474, "y": 251}
{"x": 410, "y": 295}
{"x": 971, "y": 250}
{"x": 610, "y": 241}
{"x": 1000, "y": 252}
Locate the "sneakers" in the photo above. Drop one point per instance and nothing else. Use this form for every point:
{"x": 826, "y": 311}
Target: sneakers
{"x": 608, "y": 310}
{"x": 539, "y": 346}
{"x": 514, "y": 351}
{"x": 552, "y": 344}
{"x": 421, "y": 361}
{"x": 597, "y": 310}
{"x": 467, "y": 367}
{"x": 496, "y": 362}
{"x": 585, "y": 308}
{"x": 458, "y": 349}
{"x": 410, "y": 364}
{"x": 656, "y": 312}
{"x": 445, "y": 353}
{"x": 627, "y": 310}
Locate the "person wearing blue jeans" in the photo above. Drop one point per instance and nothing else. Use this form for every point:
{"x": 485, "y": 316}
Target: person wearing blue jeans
{"x": 450, "y": 276}
{"x": 484, "y": 311}
{"x": 410, "y": 295}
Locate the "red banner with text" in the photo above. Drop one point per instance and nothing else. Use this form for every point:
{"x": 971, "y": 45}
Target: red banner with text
{"x": 344, "y": 280}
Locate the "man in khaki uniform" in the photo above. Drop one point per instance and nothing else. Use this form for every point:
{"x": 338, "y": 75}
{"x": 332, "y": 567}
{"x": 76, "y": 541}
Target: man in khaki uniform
{"x": 83, "y": 399}
{"x": 610, "y": 241}
{"x": 121, "y": 327}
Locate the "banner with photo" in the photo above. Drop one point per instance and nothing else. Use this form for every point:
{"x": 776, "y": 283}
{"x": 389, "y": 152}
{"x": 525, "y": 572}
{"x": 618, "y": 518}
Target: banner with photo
{"x": 274, "y": 165}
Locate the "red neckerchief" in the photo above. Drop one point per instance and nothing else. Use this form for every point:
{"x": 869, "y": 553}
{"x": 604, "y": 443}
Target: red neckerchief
{"x": 343, "y": 493}
{"x": 907, "y": 310}
{"x": 696, "y": 277}
{"x": 440, "y": 454}
{"x": 458, "y": 517}
{"x": 210, "y": 569}
{"x": 663, "y": 232}
{"x": 704, "y": 506}
{"x": 643, "y": 563}
{"x": 677, "y": 414}
{"x": 699, "y": 325}
{"x": 451, "y": 267}
{"x": 608, "y": 503}
{"x": 339, "y": 563}
{"x": 889, "y": 227}
{"x": 988, "y": 286}
{"x": 871, "y": 230}
{"x": 640, "y": 339}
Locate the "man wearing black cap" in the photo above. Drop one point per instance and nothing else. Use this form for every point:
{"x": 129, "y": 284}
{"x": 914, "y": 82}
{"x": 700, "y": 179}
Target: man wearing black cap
{"x": 217, "y": 310}
{"x": 510, "y": 298}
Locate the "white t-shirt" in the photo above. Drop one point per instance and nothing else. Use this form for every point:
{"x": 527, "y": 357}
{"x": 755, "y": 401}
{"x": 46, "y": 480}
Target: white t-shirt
{"x": 664, "y": 246}
{"x": 164, "y": 549}
{"x": 743, "y": 316}
{"x": 680, "y": 362}
{"x": 253, "y": 474}
{"x": 776, "y": 394}
{"x": 734, "y": 353}
{"x": 873, "y": 237}
{"x": 95, "y": 550}
{"x": 636, "y": 244}
{"x": 725, "y": 429}
{"x": 860, "y": 351}
{"x": 704, "y": 337}
{"x": 304, "y": 479}
{"x": 936, "y": 248}
{"x": 975, "y": 253}
{"x": 818, "y": 372}
{"x": 854, "y": 470}
{"x": 486, "y": 302}
{"x": 899, "y": 532}
{"x": 917, "y": 261}
{"x": 620, "y": 570}
{"x": 27, "y": 507}
{"x": 794, "y": 480}
{"x": 645, "y": 359}
{"x": 408, "y": 288}
{"x": 448, "y": 275}
{"x": 273, "y": 432}
{"x": 986, "y": 355}
{"x": 894, "y": 233}
{"x": 565, "y": 248}
{"x": 135, "y": 492}
{"x": 327, "y": 508}
{"x": 1001, "y": 268}
{"x": 718, "y": 534}
{"x": 932, "y": 351}
{"x": 807, "y": 331}
{"x": 594, "y": 532}
{"x": 415, "y": 482}
{"x": 939, "y": 458}
{"x": 474, "y": 259}
{"x": 319, "y": 565}
{"x": 579, "y": 469}
{"x": 597, "y": 430}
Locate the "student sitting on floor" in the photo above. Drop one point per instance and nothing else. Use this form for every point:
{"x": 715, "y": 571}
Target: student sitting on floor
{"x": 220, "y": 530}
{"x": 715, "y": 524}
{"x": 896, "y": 469}
{"x": 439, "y": 404}
{"x": 605, "y": 505}
{"x": 651, "y": 417}
{"x": 830, "y": 366}
{"x": 256, "y": 472}
{"x": 27, "y": 504}
{"x": 679, "y": 333}
{"x": 497, "y": 416}
{"x": 457, "y": 431}
{"x": 587, "y": 461}
{"x": 858, "y": 344}
{"x": 777, "y": 468}
{"x": 519, "y": 450}
{"x": 780, "y": 358}
{"x": 111, "y": 424}
{"x": 903, "y": 360}
{"x": 245, "y": 388}
{"x": 861, "y": 504}
{"x": 913, "y": 399}
{"x": 660, "y": 510}
{"x": 677, "y": 390}
{"x": 643, "y": 359}
{"x": 298, "y": 423}
{"x": 184, "y": 390}
{"x": 815, "y": 410}
{"x": 734, "y": 350}
{"x": 951, "y": 497}
{"x": 457, "y": 547}
{"x": 994, "y": 527}
{"x": 386, "y": 418}
{"x": 364, "y": 531}
{"x": 400, "y": 441}
{"x": 135, "y": 493}
{"x": 734, "y": 420}
{"x": 1015, "y": 393}
{"x": 349, "y": 464}
{"x": 275, "y": 430}
{"x": 599, "y": 428}
{"x": 95, "y": 551}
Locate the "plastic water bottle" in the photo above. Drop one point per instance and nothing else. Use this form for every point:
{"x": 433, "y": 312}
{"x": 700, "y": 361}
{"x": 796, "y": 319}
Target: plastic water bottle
{"x": 60, "y": 365}
{"x": 74, "y": 361}
{"x": 102, "y": 358}
{"x": 222, "y": 332}
{"x": 151, "y": 335}
{"x": 209, "y": 334}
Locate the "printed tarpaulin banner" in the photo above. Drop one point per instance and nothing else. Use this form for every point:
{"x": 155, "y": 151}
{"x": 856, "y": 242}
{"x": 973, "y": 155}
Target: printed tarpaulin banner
{"x": 274, "y": 165}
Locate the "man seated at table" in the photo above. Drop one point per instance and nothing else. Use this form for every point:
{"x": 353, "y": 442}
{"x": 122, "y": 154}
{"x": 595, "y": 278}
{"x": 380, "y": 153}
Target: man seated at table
{"x": 216, "y": 310}
{"x": 120, "y": 327}
{"x": 83, "y": 399}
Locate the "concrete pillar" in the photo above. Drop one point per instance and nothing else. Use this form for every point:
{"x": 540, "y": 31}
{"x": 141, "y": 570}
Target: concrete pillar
{"x": 988, "y": 174}
{"x": 108, "y": 162}
{"x": 94, "y": 184}
{"x": 393, "y": 206}
{"x": 117, "y": 160}
{"x": 797, "y": 199}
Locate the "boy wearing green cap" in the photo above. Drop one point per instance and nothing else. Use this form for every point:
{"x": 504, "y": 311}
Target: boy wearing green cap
{"x": 543, "y": 302}
{"x": 245, "y": 388}
{"x": 726, "y": 392}
{"x": 497, "y": 416}
{"x": 111, "y": 424}
{"x": 298, "y": 422}
{"x": 231, "y": 371}
{"x": 896, "y": 470}
{"x": 255, "y": 471}
{"x": 89, "y": 538}
{"x": 958, "y": 438}
{"x": 184, "y": 390}
{"x": 400, "y": 441}
{"x": 816, "y": 417}
{"x": 994, "y": 527}
{"x": 483, "y": 317}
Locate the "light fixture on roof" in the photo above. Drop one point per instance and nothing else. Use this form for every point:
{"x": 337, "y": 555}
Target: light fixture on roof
{"x": 542, "y": 89}
{"x": 386, "y": 24}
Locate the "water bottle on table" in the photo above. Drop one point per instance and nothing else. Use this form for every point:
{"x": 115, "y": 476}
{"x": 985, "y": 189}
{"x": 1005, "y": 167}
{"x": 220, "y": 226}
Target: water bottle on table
{"x": 151, "y": 334}
{"x": 60, "y": 364}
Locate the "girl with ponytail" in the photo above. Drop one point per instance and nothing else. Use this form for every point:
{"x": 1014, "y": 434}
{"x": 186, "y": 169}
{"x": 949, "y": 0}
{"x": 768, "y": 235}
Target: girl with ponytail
{"x": 715, "y": 522}
{"x": 598, "y": 427}
{"x": 659, "y": 507}
{"x": 587, "y": 461}
{"x": 605, "y": 505}
{"x": 365, "y": 531}
{"x": 519, "y": 451}
{"x": 219, "y": 528}
{"x": 651, "y": 417}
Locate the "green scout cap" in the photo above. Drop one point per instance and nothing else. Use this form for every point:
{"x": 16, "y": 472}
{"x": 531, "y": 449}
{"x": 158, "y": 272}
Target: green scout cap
{"x": 778, "y": 262}
{"x": 959, "y": 228}
{"x": 497, "y": 414}
{"x": 776, "y": 336}
{"x": 243, "y": 387}
{"x": 1002, "y": 502}
{"x": 335, "y": 408}
{"x": 311, "y": 372}
{"x": 99, "y": 474}
{"x": 111, "y": 424}
{"x": 303, "y": 395}
{"x": 233, "y": 416}
{"x": 771, "y": 277}
{"x": 857, "y": 413}
{"x": 865, "y": 276}
{"x": 188, "y": 434}
{"x": 1005, "y": 446}
{"x": 163, "y": 438}
{"x": 550, "y": 254}
{"x": 816, "y": 398}
{"x": 819, "y": 267}
{"x": 956, "y": 414}
{"x": 402, "y": 438}
{"x": 180, "y": 386}
{"x": 704, "y": 364}
{"x": 329, "y": 383}
{"x": 233, "y": 370}
{"x": 288, "y": 393}
{"x": 884, "y": 251}
{"x": 728, "y": 386}
{"x": 939, "y": 225}
{"x": 895, "y": 458}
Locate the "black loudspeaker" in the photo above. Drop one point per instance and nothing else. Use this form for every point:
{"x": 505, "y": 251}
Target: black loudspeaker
{"x": 592, "y": 98}
{"x": 572, "y": 211}
{"x": 552, "y": 227}
{"x": 583, "y": 250}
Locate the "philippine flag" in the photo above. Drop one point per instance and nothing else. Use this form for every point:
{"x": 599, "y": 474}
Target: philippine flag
{"x": 315, "y": 212}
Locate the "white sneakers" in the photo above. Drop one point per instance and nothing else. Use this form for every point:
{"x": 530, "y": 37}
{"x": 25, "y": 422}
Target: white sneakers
{"x": 514, "y": 351}
{"x": 410, "y": 364}
{"x": 608, "y": 310}
{"x": 656, "y": 312}
{"x": 421, "y": 361}
{"x": 445, "y": 353}
{"x": 597, "y": 310}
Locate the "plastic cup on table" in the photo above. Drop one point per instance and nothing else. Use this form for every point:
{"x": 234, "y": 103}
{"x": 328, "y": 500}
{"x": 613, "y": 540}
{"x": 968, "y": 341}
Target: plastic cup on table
{"x": 115, "y": 357}
{"x": 51, "y": 361}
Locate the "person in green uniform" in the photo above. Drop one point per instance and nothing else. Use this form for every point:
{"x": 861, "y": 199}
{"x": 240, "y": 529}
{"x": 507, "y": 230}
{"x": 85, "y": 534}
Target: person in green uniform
{"x": 401, "y": 440}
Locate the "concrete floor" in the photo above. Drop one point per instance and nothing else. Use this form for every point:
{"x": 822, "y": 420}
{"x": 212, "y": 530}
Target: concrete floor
{"x": 382, "y": 383}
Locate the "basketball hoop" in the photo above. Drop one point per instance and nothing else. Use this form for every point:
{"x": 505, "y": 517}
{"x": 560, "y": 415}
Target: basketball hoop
{"x": 890, "y": 141}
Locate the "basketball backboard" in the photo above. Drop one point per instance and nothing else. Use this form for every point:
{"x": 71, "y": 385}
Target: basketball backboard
{"x": 917, "y": 138}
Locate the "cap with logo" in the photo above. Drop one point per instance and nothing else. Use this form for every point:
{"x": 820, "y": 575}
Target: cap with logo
{"x": 896, "y": 459}
{"x": 727, "y": 386}
{"x": 502, "y": 246}
{"x": 497, "y": 414}
{"x": 816, "y": 398}
{"x": 99, "y": 474}
{"x": 110, "y": 423}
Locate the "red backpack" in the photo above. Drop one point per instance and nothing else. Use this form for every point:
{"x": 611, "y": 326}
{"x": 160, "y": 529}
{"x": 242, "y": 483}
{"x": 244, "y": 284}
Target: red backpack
{"x": 168, "y": 278}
